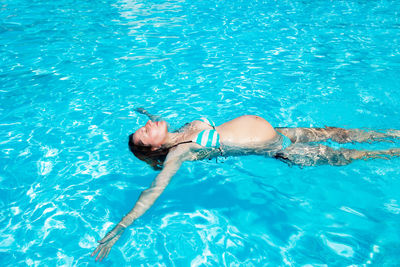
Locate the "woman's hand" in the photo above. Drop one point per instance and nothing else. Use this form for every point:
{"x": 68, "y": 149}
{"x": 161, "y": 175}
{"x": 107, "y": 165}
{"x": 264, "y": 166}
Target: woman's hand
{"x": 151, "y": 116}
{"x": 108, "y": 241}
{"x": 141, "y": 110}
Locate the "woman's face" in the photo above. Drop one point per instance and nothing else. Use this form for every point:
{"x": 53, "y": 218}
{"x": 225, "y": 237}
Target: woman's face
{"x": 152, "y": 134}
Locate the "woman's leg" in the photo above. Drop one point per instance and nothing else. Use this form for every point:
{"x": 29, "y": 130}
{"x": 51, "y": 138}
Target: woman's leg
{"x": 311, "y": 155}
{"x": 339, "y": 135}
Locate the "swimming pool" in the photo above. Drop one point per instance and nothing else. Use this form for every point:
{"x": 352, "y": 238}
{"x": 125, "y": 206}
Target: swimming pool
{"x": 72, "y": 72}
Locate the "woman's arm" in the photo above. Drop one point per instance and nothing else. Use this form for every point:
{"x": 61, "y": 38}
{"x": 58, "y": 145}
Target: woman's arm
{"x": 149, "y": 196}
{"x": 145, "y": 201}
{"x": 151, "y": 116}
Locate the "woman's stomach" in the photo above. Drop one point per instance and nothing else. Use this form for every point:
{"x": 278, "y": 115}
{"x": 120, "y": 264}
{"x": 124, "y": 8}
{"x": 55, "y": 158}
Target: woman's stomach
{"x": 248, "y": 130}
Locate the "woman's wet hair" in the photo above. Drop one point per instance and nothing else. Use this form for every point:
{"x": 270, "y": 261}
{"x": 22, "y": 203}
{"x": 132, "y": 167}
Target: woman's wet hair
{"x": 155, "y": 158}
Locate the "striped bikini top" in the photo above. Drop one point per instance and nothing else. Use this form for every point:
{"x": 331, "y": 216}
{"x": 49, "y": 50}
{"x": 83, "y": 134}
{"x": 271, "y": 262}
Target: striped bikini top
{"x": 205, "y": 138}
{"x": 208, "y": 138}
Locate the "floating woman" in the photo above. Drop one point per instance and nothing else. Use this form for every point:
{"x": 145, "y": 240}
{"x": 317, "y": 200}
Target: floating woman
{"x": 245, "y": 135}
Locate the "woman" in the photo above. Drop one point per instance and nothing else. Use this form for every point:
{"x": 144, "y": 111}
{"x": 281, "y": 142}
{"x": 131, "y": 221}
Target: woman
{"x": 248, "y": 134}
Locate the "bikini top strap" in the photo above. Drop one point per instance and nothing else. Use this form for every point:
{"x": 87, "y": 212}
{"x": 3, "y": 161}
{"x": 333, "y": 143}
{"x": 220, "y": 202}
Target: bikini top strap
{"x": 184, "y": 142}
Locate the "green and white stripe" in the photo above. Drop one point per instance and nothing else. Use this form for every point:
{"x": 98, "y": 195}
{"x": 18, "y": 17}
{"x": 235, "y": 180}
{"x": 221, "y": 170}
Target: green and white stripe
{"x": 208, "y": 138}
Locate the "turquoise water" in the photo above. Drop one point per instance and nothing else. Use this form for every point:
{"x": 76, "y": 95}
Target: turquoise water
{"x": 72, "y": 73}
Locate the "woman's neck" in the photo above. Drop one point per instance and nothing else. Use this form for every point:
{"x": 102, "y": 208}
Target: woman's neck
{"x": 173, "y": 139}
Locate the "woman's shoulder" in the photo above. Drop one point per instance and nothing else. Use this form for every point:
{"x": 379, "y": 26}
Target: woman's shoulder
{"x": 184, "y": 151}
{"x": 189, "y": 126}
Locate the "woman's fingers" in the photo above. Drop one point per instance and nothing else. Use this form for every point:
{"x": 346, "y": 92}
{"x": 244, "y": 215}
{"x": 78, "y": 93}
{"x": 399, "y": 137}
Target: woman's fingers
{"x": 141, "y": 110}
{"x": 107, "y": 242}
{"x": 108, "y": 252}
{"x": 95, "y": 251}
{"x": 101, "y": 254}
{"x": 105, "y": 251}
